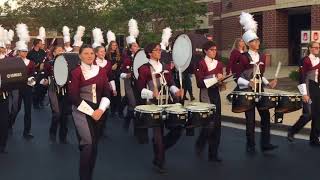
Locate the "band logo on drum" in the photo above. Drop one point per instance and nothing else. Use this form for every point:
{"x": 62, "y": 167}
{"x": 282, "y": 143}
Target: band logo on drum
{"x": 14, "y": 75}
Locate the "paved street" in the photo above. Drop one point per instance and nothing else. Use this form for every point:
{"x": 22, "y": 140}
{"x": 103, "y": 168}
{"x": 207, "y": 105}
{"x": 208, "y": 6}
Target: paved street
{"x": 121, "y": 158}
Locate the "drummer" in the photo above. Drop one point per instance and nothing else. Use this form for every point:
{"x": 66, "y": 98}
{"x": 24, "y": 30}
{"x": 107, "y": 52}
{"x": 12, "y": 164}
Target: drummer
{"x": 127, "y": 76}
{"x": 60, "y": 106}
{"x": 250, "y": 61}
{"x": 309, "y": 88}
{"x": 89, "y": 94}
{"x": 208, "y": 74}
{"x": 160, "y": 142}
{"x": 25, "y": 93}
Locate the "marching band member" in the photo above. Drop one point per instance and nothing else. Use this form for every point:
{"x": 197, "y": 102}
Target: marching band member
{"x": 100, "y": 60}
{"x": 78, "y": 39}
{"x": 160, "y": 142}
{"x": 59, "y": 103}
{"x": 309, "y": 88}
{"x": 250, "y": 62}
{"x": 238, "y": 48}
{"x": 4, "y": 120}
{"x": 89, "y": 94}
{"x": 66, "y": 39}
{"x": 25, "y": 93}
{"x": 127, "y": 71}
{"x": 2, "y": 43}
{"x": 114, "y": 56}
{"x": 208, "y": 73}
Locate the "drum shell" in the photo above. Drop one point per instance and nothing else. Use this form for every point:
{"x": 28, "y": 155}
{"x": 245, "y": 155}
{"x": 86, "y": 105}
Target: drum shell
{"x": 242, "y": 103}
{"x": 287, "y": 104}
{"x": 198, "y": 119}
{"x": 148, "y": 120}
{"x": 175, "y": 120}
{"x": 13, "y": 73}
{"x": 266, "y": 102}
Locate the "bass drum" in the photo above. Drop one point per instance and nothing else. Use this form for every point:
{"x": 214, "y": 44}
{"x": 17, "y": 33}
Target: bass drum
{"x": 187, "y": 50}
{"x": 63, "y": 65}
{"x": 13, "y": 74}
{"x": 139, "y": 59}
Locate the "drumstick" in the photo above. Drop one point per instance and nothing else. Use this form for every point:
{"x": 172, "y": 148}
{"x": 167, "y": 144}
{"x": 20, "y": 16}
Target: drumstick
{"x": 277, "y": 71}
{"x": 180, "y": 77}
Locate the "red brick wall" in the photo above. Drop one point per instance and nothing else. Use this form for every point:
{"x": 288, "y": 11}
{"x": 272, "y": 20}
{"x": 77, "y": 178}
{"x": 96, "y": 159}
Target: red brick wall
{"x": 215, "y": 8}
{"x": 237, "y": 5}
{"x": 275, "y": 30}
{"x": 230, "y": 30}
{"x": 315, "y": 17}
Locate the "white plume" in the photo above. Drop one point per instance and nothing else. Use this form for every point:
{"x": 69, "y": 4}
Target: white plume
{"x": 97, "y": 37}
{"x": 133, "y": 28}
{"x": 10, "y": 35}
{"x": 65, "y": 31}
{"x": 166, "y": 35}
{"x": 111, "y": 36}
{"x": 248, "y": 22}
{"x": 78, "y": 36}
{"x": 22, "y": 32}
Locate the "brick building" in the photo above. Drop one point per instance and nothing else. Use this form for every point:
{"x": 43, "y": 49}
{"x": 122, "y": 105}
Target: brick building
{"x": 279, "y": 21}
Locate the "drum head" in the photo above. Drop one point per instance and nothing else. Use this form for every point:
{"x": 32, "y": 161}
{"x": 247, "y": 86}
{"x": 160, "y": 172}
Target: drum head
{"x": 140, "y": 59}
{"x": 182, "y": 52}
{"x": 197, "y": 108}
{"x": 176, "y": 110}
{"x": 202, "y": 104}
{"x": 60, "y": 70}
{"x": 148, "y": 109}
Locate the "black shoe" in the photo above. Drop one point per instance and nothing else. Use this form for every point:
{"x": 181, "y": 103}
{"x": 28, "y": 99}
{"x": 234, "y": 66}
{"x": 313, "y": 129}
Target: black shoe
{"x": 215, "y": 159}
{"x": 290, "y": 136}
{"x": 192, "y": 98}
{"x": 198, "y": 152}
{"x": 64, "y": 141}
{"x": 52, "y": 138}
{"x": 185, "y": 98}
{"x": 315, "y": 143}
{"x": 3, "y": 150}
{"x": 159, "y": 167}
{"x": 28, "y": 136}
{"x": 251, "y": 149}
{"x": 268, "y": 147}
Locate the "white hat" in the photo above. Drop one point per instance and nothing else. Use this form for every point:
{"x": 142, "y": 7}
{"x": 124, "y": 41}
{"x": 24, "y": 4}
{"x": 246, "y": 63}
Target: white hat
{"x": 24, "y": 38}
{"x": 42, "y": 34}
{"x": 133, "y": 31}
{"x": 250, "y": 26}
{"x": 66, "y": 34}
{"x": 97, "y": 37}
{"x": 78, "y": 36}
{"x": 166, "y": 35}
{"x": 21, "y": 46}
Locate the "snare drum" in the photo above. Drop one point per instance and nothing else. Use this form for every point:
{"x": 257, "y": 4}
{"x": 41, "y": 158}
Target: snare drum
{"x": 176, "y": 116}
{"x": 289, "y": 102}
{"x": 198, "y": 116}
{"x": 266, "y": 100}
{"x": 242, "y": 101}
{"x": 148, "y": 116}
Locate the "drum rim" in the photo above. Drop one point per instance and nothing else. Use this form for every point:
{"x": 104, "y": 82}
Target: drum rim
{"x": 159, "y": 110}
{"x": 243, "y": 93}
{"x": 170, "y": 110}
